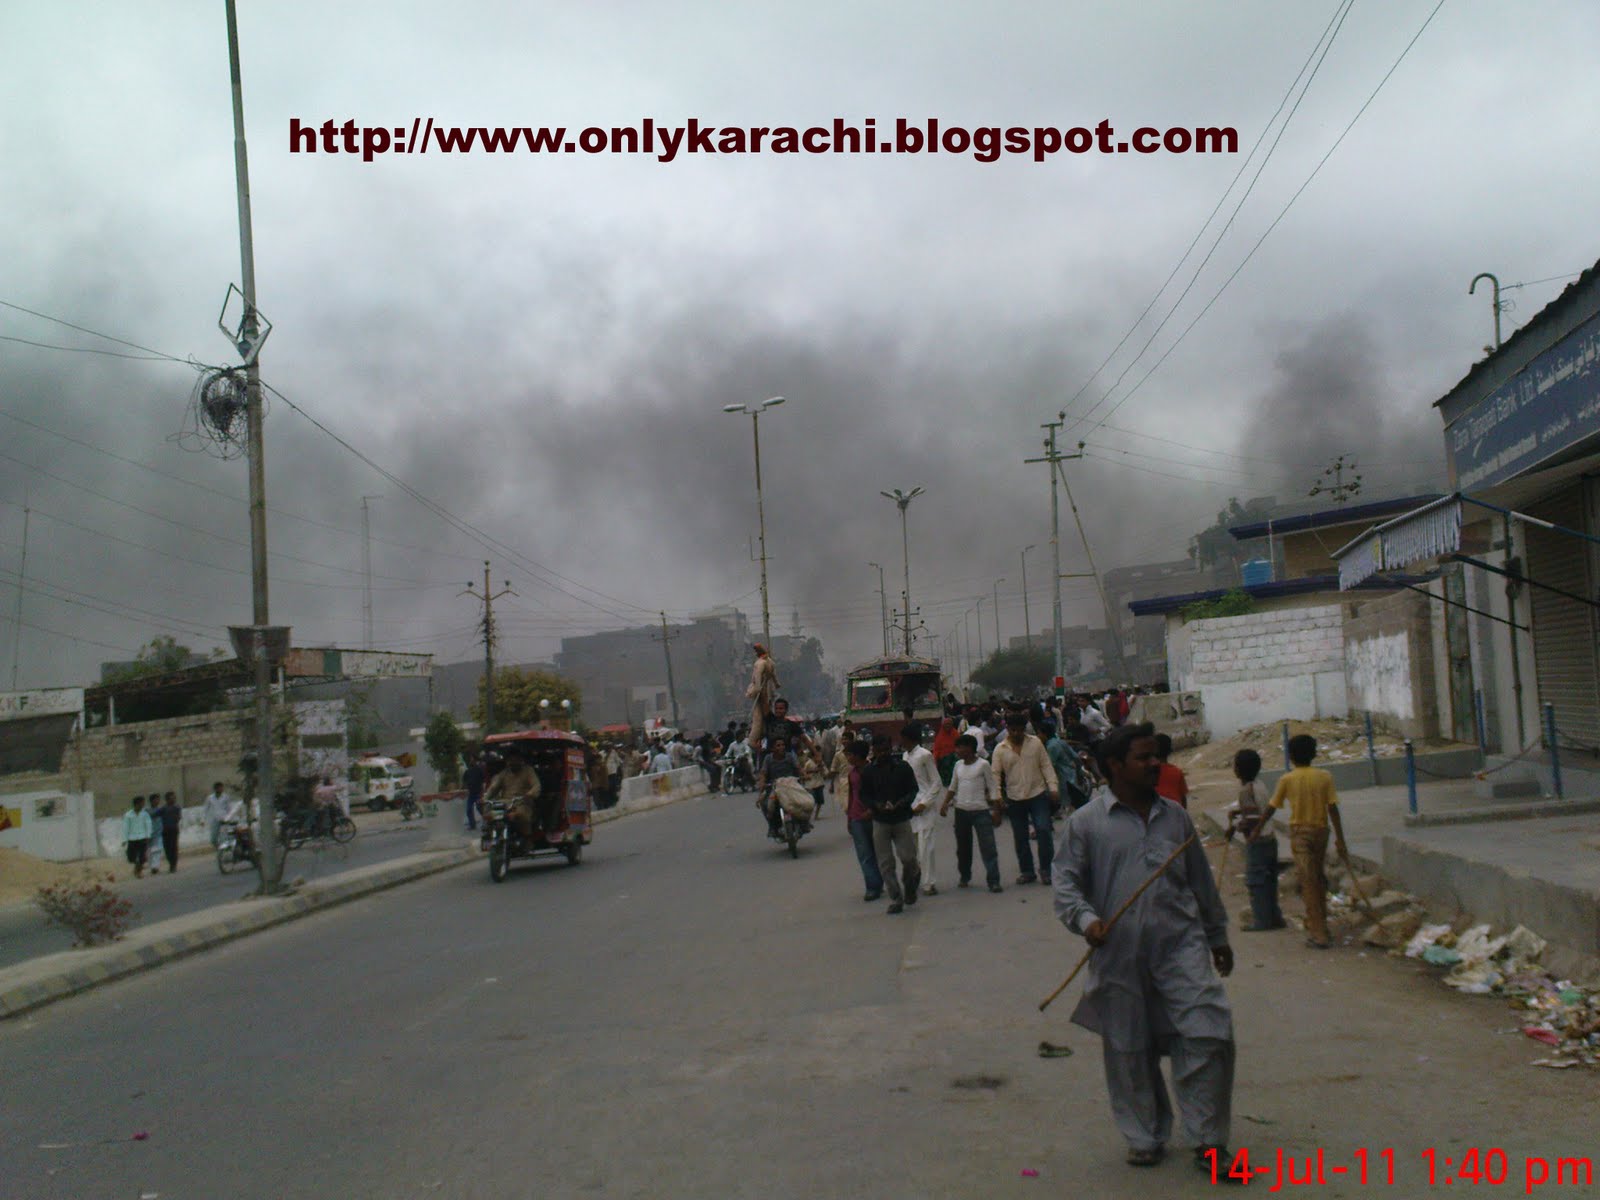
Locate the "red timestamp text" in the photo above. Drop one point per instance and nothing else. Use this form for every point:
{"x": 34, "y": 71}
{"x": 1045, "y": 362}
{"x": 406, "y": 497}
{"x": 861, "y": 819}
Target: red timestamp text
{"x": 1471, "y": 1166}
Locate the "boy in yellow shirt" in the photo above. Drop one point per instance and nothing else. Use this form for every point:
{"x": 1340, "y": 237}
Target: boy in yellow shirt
{"x": 1313, "y": 805}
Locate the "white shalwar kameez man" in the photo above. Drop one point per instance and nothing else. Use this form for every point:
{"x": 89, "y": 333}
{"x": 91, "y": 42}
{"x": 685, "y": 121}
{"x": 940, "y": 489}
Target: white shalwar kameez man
{"x": 925, "y": 820}
{"x": 1152, "y": 990}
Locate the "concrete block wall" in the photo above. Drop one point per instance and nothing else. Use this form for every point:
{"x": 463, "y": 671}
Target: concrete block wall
{"x": 1286, "y": 663}
{"x": 1389, "y": 663}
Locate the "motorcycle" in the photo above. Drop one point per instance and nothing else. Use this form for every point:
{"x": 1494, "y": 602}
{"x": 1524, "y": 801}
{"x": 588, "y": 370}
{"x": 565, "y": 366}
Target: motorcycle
{"x": 736, "y": 774}
{"x": 235, "y": 846}
{"x": 297, "y": 828}
{"x": 405, "y": 799}
{"x": 792, "y": 824}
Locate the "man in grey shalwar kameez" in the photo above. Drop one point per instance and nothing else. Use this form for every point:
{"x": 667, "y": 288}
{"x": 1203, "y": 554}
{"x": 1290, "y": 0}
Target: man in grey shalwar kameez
{"x": 1151, "y": 988}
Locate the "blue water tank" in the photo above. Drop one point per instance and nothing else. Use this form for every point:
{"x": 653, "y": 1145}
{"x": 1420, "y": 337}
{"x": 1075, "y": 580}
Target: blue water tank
{"x": 1256, "y": 571}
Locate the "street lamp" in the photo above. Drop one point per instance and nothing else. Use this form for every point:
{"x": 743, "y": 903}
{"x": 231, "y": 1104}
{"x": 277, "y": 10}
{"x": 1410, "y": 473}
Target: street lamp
{"x": 904, "y": 499}
{"x": 761, "y": 519}
{"x": 883, "y": 607}
{"x": 1027, "y": 623}
{"x": 997, "y": 584}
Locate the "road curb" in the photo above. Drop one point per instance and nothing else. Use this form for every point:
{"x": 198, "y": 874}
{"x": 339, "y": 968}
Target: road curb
{"x": 26, "y": 987}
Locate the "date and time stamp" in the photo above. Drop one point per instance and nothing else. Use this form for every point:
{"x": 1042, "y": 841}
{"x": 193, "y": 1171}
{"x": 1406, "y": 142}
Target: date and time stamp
{"x": 1468, "y": 1167}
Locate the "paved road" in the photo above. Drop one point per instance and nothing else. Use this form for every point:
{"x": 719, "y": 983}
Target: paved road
{"x": 691, "y": 1014}
{"x": 198, "y": 884}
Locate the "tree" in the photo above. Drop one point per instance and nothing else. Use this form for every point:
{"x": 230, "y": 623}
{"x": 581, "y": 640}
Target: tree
{"x": 443, "y": 742}
{"x": 517, "y": 692}
{"x": 1214, "y": 545}
{"x": 162, "y": 654}
{"x": 1020, "y": 671}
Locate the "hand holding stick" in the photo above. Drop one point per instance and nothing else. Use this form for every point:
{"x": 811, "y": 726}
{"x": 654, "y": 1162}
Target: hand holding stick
{"x": 1117, "y": 916}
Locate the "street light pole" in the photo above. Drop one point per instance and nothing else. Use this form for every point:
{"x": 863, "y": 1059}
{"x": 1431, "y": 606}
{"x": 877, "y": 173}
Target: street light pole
{"x": 981, "y": 599}
{"x": 903, "y": 500}
{"x": 997, "y": 584}
{"x": 1027, "y": 622}
{"x": 883, "y": 608}
{"x": 761, "y": 516}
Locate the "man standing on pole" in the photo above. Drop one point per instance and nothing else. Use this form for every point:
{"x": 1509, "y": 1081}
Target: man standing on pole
{"x": 1152, "y": 990}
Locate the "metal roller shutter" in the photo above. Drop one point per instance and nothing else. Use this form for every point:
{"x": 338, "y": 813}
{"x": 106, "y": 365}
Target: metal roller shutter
{"x": 1564, "y": 638}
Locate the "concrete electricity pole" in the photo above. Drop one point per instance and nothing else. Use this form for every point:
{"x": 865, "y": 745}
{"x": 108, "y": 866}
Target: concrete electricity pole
{"x": 761, "y": 516}
{"x": 883, "y": 608}
{"x": 488, "y": 600}
{"x": 1052, "y": 457}
{"x": 22, "y": 580}
{"x": 1027, "y": 621}
{"x": 997, "y": 584}
{"x": 672, "y": 687}
{"x": 366, "y": 573}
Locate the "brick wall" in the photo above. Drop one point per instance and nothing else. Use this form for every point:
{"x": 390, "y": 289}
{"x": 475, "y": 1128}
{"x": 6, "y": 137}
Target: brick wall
{"x": 1282, "y": 664}
{"x": 1389, "y": 667}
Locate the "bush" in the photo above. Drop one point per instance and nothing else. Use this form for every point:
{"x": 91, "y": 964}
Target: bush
{"x": 91, "y": 910}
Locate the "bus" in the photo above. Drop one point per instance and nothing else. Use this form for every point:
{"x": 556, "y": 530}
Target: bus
{"x": 878, "y": 693}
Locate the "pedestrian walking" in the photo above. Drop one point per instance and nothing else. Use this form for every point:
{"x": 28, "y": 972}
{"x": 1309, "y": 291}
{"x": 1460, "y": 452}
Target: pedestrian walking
{"x": 1072, "y": 788}
{"x": 216, "y": 809}
{"x": 136, "y": 835}
{"x": 888, "y": 789}
{"x": 1313, "y": 805}
{"x": 976, "y": 798}
{"x": 858, "y": 817}
{"x": 814, "y": 778}
{"x": 925, "y": 809}
{"x": 1261, "y": 855}
{"x": 613, "y": 777}
{"x": 1152, "y": 989}
{"x": 170, "y": 816}
{"x": 1173, "y": 784}
{"x": 1027, "y": 783}
{"x": 472, "y": 780}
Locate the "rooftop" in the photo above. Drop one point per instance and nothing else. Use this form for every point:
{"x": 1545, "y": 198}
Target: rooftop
{"x": 1157, "y": 605}
{"x": 1348, "y": 514}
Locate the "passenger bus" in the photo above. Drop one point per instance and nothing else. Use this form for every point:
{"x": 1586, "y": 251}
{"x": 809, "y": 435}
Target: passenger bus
{"x": 878, "y": 693}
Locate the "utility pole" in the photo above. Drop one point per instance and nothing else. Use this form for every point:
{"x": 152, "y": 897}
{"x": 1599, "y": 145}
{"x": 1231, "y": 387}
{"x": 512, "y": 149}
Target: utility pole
{"x": 997, "y": 584}
{"x": 883, "y": 608}
{"x": 981, "y": 599}
{"x": 1498, "y": 307}
{"x": 366, "y": 573}
{"x": 488, "y": 600}
{"x": 1027, "y": 622}
{"x": 271, "y": 860}
{"x": 1052, "y": 457}
{"x": 1338, "y": 489}
{"x": 672, "y": 687}
{"x": 22, "y": 580}
{"x": 1105, "y": 604}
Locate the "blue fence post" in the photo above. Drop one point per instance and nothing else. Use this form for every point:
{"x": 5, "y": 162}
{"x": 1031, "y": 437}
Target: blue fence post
{"x": 1372, "y": 752}
{"x": 1287, "y": 765}
{"x": 1555, "y": 748}
{"x": 1411, "y": 779}
{"x": 1482, "y": 724}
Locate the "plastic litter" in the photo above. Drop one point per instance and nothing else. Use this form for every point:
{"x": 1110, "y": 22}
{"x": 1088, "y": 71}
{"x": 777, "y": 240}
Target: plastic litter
{"x": 1440, "y": 956}
{"x": 1052, "y": 1050}
{"x": 1543, "y": 1033}
{"x": 1029, "y": 1173}
{"x": 1427, "y": 936}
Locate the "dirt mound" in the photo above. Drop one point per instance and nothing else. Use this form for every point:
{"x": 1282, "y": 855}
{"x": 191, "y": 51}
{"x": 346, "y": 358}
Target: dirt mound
{"x": 21, "y": 875}
{"x": 1339, "y": 739}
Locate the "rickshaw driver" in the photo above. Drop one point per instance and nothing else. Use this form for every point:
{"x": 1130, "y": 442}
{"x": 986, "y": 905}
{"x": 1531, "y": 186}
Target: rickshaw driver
{"x": 518, "y": 783}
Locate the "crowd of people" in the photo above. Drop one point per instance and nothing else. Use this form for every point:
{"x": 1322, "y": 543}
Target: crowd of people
{"x": 151, "y": 827}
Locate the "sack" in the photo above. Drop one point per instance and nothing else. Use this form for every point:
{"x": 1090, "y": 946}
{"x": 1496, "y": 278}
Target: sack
{"x": 793, "y": 798}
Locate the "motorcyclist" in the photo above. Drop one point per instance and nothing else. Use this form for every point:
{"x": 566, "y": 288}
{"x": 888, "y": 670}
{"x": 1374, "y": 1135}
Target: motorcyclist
{"x": 778, "y": 764}
{"x": 739, "y": 760}
{"x": 518, "y": 783}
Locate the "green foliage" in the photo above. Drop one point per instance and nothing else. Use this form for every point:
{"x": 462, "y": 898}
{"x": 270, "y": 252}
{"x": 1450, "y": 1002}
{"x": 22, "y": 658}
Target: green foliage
{"x": 1215, "y": 546}
{"x": 1235, "y": 603}
{"x": 517, "y": 693}
{"x": 443, "y": 743}
{"x": 1021, "y": 671}
{"x": 361, "y": 717}
{"x": 160, "y": 655}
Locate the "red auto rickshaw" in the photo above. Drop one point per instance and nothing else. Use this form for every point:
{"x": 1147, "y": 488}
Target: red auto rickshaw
{"x": 557, "y": 757}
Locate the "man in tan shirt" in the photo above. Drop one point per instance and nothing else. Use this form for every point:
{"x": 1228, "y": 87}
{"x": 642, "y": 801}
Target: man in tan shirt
{"x": 1027, "y": 781}
{"x": 519, "y": 784}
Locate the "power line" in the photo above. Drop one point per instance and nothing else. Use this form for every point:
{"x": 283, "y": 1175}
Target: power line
{"x": 1206, "y": 224}
{"x": 81, "y": 349}
{"x": 1282, "y": 213}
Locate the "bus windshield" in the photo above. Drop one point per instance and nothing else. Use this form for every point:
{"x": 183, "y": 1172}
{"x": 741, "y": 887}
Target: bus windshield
{"x": 870, "y": 693}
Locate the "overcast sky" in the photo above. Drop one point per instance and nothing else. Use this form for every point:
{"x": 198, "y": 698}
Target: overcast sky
{"x": 543, "y": 345}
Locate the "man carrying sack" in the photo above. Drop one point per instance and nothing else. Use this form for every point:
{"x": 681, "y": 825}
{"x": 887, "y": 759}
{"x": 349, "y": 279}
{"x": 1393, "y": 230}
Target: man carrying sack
{"x": 1152, "y": 990}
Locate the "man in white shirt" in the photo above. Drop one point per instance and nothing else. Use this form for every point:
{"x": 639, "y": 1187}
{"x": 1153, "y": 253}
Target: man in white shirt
{"x": 661, "y": 762}
{"x": 216, "y": 811}
{"x": 1095, "y": 721}
{"x": 925, "y": 808}
{"x": 977, "y": 802}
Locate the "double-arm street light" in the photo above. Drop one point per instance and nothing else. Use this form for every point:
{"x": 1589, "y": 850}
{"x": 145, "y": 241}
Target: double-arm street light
{"x": 904, "y": 499}
{"x": 761, "y": 519}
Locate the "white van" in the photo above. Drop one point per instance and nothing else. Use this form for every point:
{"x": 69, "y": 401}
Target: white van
{"x": 378, "y": 782}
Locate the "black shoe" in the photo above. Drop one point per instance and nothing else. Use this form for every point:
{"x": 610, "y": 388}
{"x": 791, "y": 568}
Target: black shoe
{"x": 871, "y": 896}
{"x": 963, "y": 883}
{"x": 1202, "y": 1163}
{"x": 1147, "y": 1158}
{"x": 995, "y": 887}
{"x": 896, "y": 907}
{"x": 1029, "y": 877}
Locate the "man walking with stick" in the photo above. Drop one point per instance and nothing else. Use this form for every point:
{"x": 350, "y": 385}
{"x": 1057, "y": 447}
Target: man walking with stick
{"x": 1130, "y": 876}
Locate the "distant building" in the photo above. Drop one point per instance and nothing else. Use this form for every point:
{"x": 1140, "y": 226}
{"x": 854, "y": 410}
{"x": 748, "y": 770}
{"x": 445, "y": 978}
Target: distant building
{"x": 1142, "y": 636}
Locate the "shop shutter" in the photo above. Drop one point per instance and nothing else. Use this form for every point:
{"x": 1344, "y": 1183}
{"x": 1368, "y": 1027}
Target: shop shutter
{"x": 1564, "y": 640}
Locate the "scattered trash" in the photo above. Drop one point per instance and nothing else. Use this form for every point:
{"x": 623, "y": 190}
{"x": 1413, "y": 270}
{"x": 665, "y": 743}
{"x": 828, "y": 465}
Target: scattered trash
{"x": 1440, "y": 956}
{"x": 55, "y": 1145}
{"x": 1542, "y": 1033}
{"x": 1029, "y": 1173}
{"x": 1258, "y": 1120}
{"x": 1051, "y": 1050}
{"x": 1427, "y": 936}
{"x": 141, "y": 1136}
{"x": 978, "y": 1083}
{"x": 1555, "y": 1064}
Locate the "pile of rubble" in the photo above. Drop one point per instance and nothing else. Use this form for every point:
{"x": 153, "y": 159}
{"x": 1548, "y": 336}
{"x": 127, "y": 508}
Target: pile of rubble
{"x": 1339, "y": 739}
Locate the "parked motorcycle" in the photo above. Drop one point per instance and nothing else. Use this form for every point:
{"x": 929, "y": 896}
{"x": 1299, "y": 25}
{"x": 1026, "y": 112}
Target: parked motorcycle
{"x": 405, "y": 799}
{"x": 237, "y": 845}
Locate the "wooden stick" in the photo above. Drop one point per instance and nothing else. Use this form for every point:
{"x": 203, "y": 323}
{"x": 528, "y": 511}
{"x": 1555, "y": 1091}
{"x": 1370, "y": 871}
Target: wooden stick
{"x": 1117, "y": 916}
{"x": 1356, "y": 887}
{"x": 1222, "y": 867}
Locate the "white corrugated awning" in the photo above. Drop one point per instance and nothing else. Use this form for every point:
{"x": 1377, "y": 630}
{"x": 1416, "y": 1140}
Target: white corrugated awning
{"x": 1426, "y": 532}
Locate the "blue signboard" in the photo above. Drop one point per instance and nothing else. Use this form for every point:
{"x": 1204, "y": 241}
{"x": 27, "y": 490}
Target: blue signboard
{"x": 1550, "y": 405}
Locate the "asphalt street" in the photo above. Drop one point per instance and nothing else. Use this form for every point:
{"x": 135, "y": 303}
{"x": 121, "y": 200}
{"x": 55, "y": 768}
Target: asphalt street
{"x": 198, "y": 884}
{"x": 690, "y": 1013}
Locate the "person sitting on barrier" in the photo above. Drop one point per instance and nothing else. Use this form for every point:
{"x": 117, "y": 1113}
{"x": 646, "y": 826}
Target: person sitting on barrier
{"x": 778, "y": 764}
{"x": 518, "y": 783}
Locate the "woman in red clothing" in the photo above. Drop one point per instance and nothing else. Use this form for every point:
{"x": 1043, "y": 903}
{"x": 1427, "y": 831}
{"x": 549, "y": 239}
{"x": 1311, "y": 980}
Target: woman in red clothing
{"x": 1171, "y": 783}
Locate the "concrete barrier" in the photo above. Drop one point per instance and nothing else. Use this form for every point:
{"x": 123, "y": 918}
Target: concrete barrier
{"x": 681, "y": 784}
{"x": 54, "y": 825}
